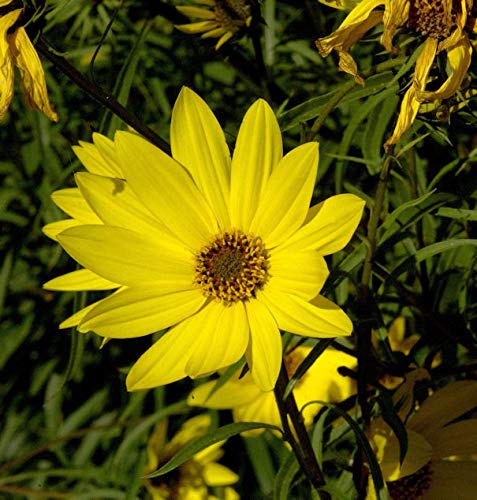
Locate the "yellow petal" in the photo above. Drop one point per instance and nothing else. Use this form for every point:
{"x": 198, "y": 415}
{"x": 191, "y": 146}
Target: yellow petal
{"x": 387, "y": 452}
{"x": 359, "y": 21}
{"x": 127, "y": 257}
{"x": 53, "y": 229}
{"x": 166, "y": 189}
{"x": 96, "y": 159}
{"x": 83, "y": 279}
{"x": 286, "y": 198}
{"x": 339, "y": 4}
{"x": 72, "y": 202}
{"x": 6, "y": 61}
{"x": 459, "y": 438}
{"x": 459, "y": 58}
{"x": 257, "y": 152}
{"x": 332, "y": 227}
{"x": 457, "y": 480}
{"x": 194, "y": 28}
{"x": 32, "y": 76}
{"x": 300, "y": 273}
{"x": 264, "y": 409}
{"x": 198, "y": 143}
{"x": 232, "y": 394}
{"x": 75, "y": 318}
{"x": 264, "y": 354}
{"x": 396, "y": 14}
{"x": 224, "y": 38}
{"x": 116, "y": 204}
{"x": 218, "y": 475}
{"x": 165, "y": 361}
{"x": 444, "y": 406}
{"x": 135, "y": 312}
{"x": 224, "y": 336}
{"x": 321, "y": 318}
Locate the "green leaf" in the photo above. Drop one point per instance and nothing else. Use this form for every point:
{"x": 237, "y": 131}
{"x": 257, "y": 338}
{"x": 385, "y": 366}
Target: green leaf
{"x": 212, "y": 437}
{"x": 284, "y": 479}
{"x": 457, "y": 213}
{"x": 262, "y": 462}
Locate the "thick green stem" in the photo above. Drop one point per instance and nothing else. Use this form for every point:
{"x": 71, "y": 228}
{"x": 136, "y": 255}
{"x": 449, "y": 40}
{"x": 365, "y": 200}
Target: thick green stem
{"x": 99, "y": 95}
{"x": 301, "y": 446}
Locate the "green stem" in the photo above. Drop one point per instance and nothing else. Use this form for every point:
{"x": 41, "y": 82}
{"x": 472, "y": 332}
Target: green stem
{"x": 99, "y": 95}
{"x": 301, "y": 446}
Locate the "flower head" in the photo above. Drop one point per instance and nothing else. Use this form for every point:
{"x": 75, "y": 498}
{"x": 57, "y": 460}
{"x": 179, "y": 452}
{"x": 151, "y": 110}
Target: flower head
{"x": 249, "y": 403}
{"x": 438, "y": 461}
{"x": 16, "y": 49}
{"x": 222, "y": 20}
{"x": 194, "y": 477}
{"x": 443, "y": 24}
{"x": 224, "y": 251}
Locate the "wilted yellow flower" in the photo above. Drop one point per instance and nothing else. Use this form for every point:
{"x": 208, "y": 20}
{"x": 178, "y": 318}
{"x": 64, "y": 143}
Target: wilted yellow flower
{"x": 221, "y": 18}
{"x": 223, "y": 250}
{"x": 193, "y": 479}
{"x": 249, "y": 403}
{"x": 440, "y": 442}
{"x": 16, "y": 49}
{"x": 443, "y": 24}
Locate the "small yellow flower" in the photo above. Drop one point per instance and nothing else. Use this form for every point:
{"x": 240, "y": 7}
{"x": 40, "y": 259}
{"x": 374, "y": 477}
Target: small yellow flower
{"x": 224, "y": 251}
{"x": 193, "y": 479}
{"x": 222, "y": 20}
{"x": 16, "y": 49}
{"x": 438, "y": 464}
{"x": 249, "y": 403}
{"x": 443, "y": 24}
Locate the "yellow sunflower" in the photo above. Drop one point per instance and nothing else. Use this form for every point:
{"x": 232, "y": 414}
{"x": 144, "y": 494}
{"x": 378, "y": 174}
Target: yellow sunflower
{"x": 194, "y": 478}
{"x": 441, "y": 23}
{"x": 16, "y": 49}
{"x": 249, "y": 403}
{"x": 438, "y": 464}
{"x": 224, "y": 251}
{"x": 221, "y": 19}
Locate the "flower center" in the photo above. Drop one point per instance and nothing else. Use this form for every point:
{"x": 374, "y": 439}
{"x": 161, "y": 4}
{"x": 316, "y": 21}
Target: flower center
{"x": 413, "y": 486}
{"x": 232, "y": 267}
{"x": 433, "y": 18}
{"x": 232, "y": 14}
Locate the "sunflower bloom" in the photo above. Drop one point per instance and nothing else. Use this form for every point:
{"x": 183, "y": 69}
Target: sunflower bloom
{"x": 225, "y": 252}
{"x": 443, "y": 24}
{"x": 17, "y": 50}
{"x": 194, "y": 478}
{"x": 321, "y": 382}
{"x": 220, "y": 19}
{"x": 438, "y": 463}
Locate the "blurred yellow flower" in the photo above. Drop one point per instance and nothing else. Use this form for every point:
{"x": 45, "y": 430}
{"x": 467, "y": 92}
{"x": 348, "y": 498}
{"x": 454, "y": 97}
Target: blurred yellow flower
{"x": 194, "y": 478}
{"x": 398, "y": 342}
{"x": 223, "y": 250}
{"x": 221, "y": 19}
{"x": 441, "y": 23}
{"x": 249, "y": 403}
{"x": 17, "y": 50}
{"x": 438, "y": 464}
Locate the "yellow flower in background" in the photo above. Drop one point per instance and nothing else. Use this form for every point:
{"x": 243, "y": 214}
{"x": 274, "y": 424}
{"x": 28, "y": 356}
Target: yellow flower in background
{"x": 17, "y": 50}
{"x": 221, "y": 19}
{"x": 438, "y": 463}
{"x": 398, "y": 342}
{"x": 193, "y": 479}
{"x": 441, "y": 23}
{"x": 321, "y": 382}
{"x": 223, "y": 250}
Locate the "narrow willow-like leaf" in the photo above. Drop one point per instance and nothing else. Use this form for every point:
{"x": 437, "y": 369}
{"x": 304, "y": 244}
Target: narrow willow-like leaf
{"x": 259, "y": 455}
{"x": 284, "y": 478}
{"x": 207, "y": 440}
{"x": 430, "y": 251}
{"x": 457, "y": 213}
